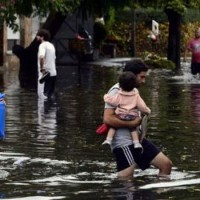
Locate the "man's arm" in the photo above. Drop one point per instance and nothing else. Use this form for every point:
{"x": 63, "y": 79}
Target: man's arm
{"x": 42, "y": 64}
{"x": 41, "y": 54}
{"x": 185, "y": 54}
{"x": 110, "y": 119}
{"x": 187, "y": 49}
{"x": 112, "y": 100}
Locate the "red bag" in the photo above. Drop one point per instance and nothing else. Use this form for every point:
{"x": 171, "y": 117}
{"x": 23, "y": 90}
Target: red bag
{"x": 102, "y": 129}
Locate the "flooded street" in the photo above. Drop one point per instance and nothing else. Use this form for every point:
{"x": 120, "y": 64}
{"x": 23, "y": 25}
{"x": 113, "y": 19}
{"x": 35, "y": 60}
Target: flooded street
{"x": 51, "y": 150}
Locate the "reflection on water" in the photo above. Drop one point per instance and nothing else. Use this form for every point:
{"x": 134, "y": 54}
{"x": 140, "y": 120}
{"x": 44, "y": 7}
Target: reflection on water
{"x": 51, "y": 150}
{"x": 195, "y": 106}
{"x": 47, "y": 124}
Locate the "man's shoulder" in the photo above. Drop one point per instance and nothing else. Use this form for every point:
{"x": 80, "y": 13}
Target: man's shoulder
{"x": 194, "y": 41}
{"x": 46, "y": 43}
{"x": 50, "y": 46}
{"x": 42, "y": 45}
{"x": 112, "y": 91}
{"x": 114, "y": 87}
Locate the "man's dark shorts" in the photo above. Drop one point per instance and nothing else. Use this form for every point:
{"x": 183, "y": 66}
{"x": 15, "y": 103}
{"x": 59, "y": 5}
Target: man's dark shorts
{"x": 128, "y": 155}
{"x": 195, "y": 68}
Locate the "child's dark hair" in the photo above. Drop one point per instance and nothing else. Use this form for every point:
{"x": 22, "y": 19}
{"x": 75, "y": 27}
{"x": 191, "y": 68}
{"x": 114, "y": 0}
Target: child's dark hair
{"x": 45, "y": 34}
{"x": 127, "y": 81}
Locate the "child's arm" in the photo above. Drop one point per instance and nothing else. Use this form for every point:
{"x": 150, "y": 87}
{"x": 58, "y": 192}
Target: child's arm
{"x": 113, "y": 100}
{"x": 110, "y": 118}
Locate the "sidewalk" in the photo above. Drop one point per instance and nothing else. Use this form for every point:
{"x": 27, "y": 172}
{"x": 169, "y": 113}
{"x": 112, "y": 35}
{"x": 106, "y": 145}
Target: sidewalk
{"x": 111, "y": 62}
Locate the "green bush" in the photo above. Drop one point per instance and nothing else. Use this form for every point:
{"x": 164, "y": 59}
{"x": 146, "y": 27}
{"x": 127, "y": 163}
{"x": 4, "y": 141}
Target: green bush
{"x": 160, "y": 64}
{"x": 122, "y": 29}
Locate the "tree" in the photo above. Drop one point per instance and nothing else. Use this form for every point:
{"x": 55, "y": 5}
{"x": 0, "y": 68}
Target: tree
{"x": 57, "y": 9}
{"x": 28, "y": 56}
{"x": 9, "y": 9}
{"x": 175, "y": 10}
{"x": 54, "y": 9}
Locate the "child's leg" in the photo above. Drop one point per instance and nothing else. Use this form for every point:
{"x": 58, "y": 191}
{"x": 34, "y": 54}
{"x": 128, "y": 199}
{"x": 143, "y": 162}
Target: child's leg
{"x": 110, "y": 135}
{"x": 135, "y": 136}
{"x": 135, "y": 139}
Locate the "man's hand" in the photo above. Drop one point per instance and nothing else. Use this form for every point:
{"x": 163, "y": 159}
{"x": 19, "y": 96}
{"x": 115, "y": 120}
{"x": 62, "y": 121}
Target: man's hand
{"x": 134, "y": 123}
{"x": 111, "y": 119}
{"x": 42, "y": 70}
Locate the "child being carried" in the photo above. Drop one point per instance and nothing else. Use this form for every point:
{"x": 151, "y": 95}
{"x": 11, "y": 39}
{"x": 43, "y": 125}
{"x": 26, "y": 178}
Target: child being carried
{"x": 128, "y": 103}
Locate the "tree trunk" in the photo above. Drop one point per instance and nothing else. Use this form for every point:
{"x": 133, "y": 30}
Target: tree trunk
{"x": 133, "y": 35}
{"x": 174, "y": 47}
{"x": 28, "y": 56}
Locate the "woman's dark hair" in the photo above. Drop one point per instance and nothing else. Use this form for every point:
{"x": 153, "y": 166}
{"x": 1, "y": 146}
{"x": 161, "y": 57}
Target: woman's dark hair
{"x": 45, "y": 34}
{"x": 127, "y": 81}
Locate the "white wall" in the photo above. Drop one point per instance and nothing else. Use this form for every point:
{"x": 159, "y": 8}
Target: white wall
{"x": 36, "y": 21}
{"x": 12, "y": 35}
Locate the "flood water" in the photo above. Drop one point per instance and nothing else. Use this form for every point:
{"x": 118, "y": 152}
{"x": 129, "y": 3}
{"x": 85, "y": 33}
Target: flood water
{"x": 51, "y": 150}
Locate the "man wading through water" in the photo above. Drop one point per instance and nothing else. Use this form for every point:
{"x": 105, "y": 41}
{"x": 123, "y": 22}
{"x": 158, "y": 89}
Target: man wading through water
{"x": 122, "y": 145}
{"x": 46, "y": 63}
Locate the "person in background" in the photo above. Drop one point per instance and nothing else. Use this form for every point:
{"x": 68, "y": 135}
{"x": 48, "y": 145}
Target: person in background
{"x": 46, "y": 63}
{"x": 129, "y": 104}
{"x": 122, "y": 145}
{"x": 194, "y": 47}
{"x": 2, "y": 115}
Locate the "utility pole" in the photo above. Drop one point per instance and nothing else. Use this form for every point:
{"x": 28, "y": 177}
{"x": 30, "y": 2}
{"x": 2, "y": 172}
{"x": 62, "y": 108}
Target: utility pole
{"x": 133, "y": 38}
